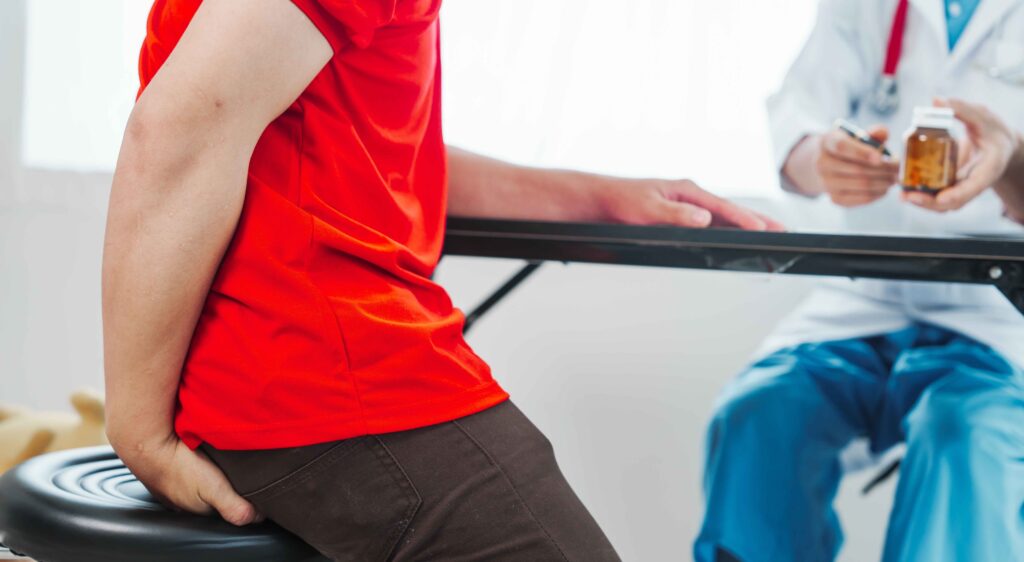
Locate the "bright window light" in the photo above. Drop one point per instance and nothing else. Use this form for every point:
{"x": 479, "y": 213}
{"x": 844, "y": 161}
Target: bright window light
{"x": 81, "y": 79}
{"x": 667, "y": 88}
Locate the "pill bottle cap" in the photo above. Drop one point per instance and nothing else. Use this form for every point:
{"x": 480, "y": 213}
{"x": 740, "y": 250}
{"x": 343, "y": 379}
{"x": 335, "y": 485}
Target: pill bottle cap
{"x": 934, "y": 118}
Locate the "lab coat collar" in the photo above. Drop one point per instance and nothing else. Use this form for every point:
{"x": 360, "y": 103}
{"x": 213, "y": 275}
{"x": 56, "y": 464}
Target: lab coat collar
{"x": 934, "y": 13}
{"x": 988, "y": 15}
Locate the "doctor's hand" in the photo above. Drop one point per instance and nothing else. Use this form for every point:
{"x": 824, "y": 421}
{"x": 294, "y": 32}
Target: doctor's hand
{"x": 985, "y": 155}
{"x": 849, "y": 171}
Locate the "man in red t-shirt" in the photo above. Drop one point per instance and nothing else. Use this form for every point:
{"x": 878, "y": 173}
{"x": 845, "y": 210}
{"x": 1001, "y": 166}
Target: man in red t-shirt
{"x": 276, "y": 215}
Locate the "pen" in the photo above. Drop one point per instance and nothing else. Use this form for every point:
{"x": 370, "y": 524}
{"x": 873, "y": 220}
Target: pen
{"x": 860, "y": 134}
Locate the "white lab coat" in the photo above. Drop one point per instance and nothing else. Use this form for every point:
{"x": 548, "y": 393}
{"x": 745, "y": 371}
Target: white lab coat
{"x": 834, "y": 76}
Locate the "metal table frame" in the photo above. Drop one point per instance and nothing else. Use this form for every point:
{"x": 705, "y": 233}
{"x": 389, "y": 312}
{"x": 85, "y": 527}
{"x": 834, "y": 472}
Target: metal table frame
{"x": 988, "y": 261}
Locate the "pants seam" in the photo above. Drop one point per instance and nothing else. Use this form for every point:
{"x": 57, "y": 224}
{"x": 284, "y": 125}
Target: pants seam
{"x": 511, "y": 484}
{"x": 403, "y": 482}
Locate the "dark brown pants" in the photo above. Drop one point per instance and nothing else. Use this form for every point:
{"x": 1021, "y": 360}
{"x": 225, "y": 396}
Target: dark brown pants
{"x": 484, "y": 487}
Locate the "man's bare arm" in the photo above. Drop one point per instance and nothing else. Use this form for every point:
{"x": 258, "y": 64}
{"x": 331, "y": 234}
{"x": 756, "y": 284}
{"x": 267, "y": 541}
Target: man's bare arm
{"x": 176, "y": 198}
{"x": 484, "y": 187}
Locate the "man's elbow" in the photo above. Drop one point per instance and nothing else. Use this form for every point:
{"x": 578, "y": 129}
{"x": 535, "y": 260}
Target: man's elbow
{"x": 168, "y": 148}
{"x": 140, "y": 128}
{"x": 150, "y": 148}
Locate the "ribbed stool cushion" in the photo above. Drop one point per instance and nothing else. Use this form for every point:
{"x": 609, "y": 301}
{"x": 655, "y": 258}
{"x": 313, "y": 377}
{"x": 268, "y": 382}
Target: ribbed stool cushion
{"x": 83, "y": 505}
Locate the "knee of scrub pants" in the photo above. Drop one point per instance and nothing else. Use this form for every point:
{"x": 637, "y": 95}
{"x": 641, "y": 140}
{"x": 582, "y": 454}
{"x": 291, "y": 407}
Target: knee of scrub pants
{"x": 783, "y": 404}
{"x": 962, "y": 483}
{"x": 968, "y": 412}
{"x": 772, "y": 449}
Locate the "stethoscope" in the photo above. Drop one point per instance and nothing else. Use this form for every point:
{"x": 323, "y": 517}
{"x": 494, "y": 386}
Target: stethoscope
{"x": 886, "y": 97}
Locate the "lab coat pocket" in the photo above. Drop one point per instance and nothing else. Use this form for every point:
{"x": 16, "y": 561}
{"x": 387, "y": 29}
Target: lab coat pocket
{"x": 1002, "y": 60}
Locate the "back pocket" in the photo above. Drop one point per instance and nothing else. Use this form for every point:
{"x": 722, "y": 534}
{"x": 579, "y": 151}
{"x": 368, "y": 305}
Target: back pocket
{"x": 352, "y": 503}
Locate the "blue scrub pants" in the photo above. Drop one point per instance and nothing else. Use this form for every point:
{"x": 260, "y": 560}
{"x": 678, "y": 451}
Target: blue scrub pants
{"x": 773, "y": 449}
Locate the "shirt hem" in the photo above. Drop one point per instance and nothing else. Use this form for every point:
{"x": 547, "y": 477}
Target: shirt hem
{"x": 325, "y": 430}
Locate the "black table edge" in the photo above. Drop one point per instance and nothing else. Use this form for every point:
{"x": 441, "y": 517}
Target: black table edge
{"x": 989, "y": 261}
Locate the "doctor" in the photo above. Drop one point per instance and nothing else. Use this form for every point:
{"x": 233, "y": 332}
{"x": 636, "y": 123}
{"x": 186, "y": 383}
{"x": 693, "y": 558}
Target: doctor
{"x": 935, "y": 366}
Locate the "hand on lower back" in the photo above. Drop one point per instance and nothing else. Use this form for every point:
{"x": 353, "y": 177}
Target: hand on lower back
{"x": 186, "y": 480}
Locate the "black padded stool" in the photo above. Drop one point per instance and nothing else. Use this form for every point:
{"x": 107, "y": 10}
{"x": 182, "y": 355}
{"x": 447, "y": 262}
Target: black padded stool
{"x": 83, "y": 505}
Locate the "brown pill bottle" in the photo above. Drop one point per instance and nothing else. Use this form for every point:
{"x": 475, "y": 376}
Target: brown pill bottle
{"x": 929, "y": 163}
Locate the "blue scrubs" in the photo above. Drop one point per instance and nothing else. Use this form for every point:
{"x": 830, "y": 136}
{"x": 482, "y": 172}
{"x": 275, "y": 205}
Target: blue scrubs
{"x": 773, "y": 449}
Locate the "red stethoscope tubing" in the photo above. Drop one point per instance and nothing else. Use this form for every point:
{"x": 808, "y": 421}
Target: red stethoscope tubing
{"x": 886, "y": 97}
{"x": 895, "y": 48}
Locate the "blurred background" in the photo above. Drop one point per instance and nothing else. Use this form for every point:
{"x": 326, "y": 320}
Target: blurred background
{"x": 619, "y": 366}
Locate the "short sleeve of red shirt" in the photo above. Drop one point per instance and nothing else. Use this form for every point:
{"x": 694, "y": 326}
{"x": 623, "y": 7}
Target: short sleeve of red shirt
{"x": 322, "y": 322}
{"x": 359, "y": 20}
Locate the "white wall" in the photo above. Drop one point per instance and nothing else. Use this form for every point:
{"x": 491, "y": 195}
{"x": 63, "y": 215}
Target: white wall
{"x": 12, "y": 68}
{"x": 50, "y": 248}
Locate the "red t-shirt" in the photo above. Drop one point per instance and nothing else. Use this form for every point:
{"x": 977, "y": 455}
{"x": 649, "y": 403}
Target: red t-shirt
{"x": 322, "y": 322}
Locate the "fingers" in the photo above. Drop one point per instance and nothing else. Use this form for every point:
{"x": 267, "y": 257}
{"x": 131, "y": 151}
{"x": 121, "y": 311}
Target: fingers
{"x": 215, "y": 491}
{"x": 232, "y": 507}
{"x": 865, "y": 185}
{"x": 724, "y": 211}
{"x": 971, "y": 114}
{"x": 976, "y": 119}
{"x": 924, "y": 200}
{"x": 949, "y": 199}
{"x": 830, "y": 167}
{"x": 952, "y": 198}
{"x": 965, "y": 155}
{"x": 841, "y": 145}
{"x": 683, "y": 203}
{"x": 730, "y": 214}
{"x": 683, "y": 214}
{"x": 969, "y": 164}
{"x": 853, "y": 183}
{"x": 944, "y": 201}
{"x": 984, "y": 127}
{"x": 684, "y": 196}
{"x": 854, "y": 198}
{"x": 680, "y": 199}
{"x": 186, "y": 480}
{"x": 847, "y": 179}
{"x": 879, "y": 132}
{"x": 853, "y": 173}
{"x": 772, "y": 224}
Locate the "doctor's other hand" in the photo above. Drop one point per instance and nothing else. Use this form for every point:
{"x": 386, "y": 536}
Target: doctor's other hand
{"x": 850, "y": 172}
{"x": 985, "y": 155}
{"x": 678, "y": 203}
